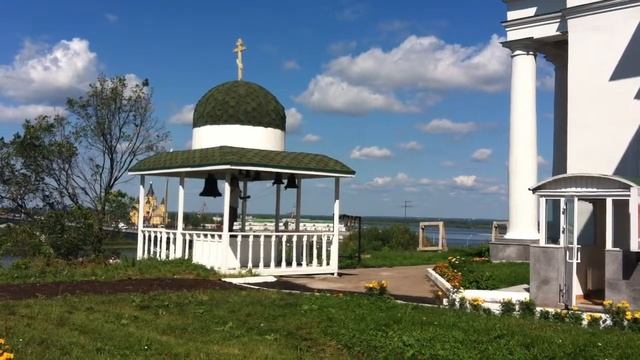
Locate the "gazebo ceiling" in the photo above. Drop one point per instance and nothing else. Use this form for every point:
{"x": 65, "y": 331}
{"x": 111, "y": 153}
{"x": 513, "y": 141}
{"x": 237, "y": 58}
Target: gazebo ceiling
{"x": 225, "y": 158}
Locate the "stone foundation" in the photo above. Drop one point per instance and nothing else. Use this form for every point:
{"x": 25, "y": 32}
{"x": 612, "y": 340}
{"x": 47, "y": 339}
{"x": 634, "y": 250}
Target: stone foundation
{"x": 510, "y": 250}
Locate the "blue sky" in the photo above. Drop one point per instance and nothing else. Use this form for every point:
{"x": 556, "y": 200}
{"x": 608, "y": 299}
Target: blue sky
{"x": 423, "y": 111}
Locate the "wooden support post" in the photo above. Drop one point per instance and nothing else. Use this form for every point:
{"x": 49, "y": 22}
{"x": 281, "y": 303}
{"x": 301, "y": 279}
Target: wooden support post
{"x": 140, "y": 250}
{"x": 336, "y": 227}
{"x": 243, "y": 225}
{"x": 298, "y": 203}
{"x": 181, "y": 246}
{"x": 277, "y": 224}
{"x": 226, "y": 219}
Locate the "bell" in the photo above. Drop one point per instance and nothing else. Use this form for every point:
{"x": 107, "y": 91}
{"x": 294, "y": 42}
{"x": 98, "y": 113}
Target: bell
{"x": 277, "y": 180}
{"x": 210, "y": 187}
{"x": 291, "y": 182}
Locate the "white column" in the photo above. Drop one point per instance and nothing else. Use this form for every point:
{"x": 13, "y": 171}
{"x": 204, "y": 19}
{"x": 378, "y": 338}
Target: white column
{"x": 609, "y": 223}
{"x": 181, "y": 249}
{"x": 298, "y": 203}
{"x": 523, "y": 154}
{"x": 226, "y": 219}
{"x": 559, "y": 59}
{"x": 244, "y": 206}
{"x": 140, "y": 249}
{"x": 634, "y": 202}
{"x": 336, "y": 227}
{"x": 277, "y": 224}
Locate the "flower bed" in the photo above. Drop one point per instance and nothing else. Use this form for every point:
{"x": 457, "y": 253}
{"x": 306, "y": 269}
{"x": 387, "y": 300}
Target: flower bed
{"x": 481, "y": 274}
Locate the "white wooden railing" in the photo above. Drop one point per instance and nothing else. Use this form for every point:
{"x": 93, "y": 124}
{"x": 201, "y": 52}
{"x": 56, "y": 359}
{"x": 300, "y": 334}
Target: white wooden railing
{"x": 265, "y": 253}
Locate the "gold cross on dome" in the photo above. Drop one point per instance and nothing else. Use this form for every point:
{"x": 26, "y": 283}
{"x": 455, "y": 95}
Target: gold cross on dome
{"x": 238, "y": 50}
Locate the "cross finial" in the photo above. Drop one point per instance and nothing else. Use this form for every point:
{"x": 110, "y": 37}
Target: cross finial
{"x": 238, "y": 50}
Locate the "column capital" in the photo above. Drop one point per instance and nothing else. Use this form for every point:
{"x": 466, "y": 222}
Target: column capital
{"x": 527, "y": 46}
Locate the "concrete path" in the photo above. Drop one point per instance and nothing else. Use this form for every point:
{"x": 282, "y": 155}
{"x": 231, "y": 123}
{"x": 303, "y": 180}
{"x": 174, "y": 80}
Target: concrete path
{"x": 409, "y": 281}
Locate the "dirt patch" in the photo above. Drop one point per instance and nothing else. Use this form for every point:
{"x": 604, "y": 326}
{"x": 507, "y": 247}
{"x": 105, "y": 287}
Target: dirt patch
{"x": 36, "y": 290}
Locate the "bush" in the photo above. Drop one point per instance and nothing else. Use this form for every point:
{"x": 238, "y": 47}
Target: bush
{"x": 559, "y": 315}
{"x": 527, "y": 308}
{"x": 63, "y": 234}
{"x": 507, "y": 307}
{"x": 395, "y": 237}
{"x": 594, "y": 320}
{"x": 544, "y": 314}
{"x": 462, "y": 303}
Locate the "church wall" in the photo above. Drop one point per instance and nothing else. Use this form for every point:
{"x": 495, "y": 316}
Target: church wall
{"x": 604, "y": 92}
{"x": 255, "y": 137}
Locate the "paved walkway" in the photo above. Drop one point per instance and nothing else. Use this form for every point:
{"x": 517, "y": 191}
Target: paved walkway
{"x": 404, "y": 281}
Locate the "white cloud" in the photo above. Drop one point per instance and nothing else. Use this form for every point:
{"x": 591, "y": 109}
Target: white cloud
{"x": 482, "y": 154}
{"x": 294, "y": 119}
{"x": 311, "y": 138}
{"x": 446, "y": 126}
{"x": 111, "y": 18}
{"x": 49, "y": 75}
{"x": 448, "y": 163}
{"x": 290, "y": 65}
{"x": 465, "y": 181}
{"x": 342, "y": 47}
{"x": 400, "y": 179}
{"x": 428, "y": 63}
{"x": 371, "y": 152}
{"x": 411, "y": 145}
{"x": 418, "y": 64}
{"x": 17, "y": 114}
{"x": 542, "y": 161}
{"x": 331, "y": 94}
{"x": 184, "y": 116}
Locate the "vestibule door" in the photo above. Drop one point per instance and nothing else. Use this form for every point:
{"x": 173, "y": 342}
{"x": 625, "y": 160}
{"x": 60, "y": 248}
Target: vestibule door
{"x": 571, "y": 249}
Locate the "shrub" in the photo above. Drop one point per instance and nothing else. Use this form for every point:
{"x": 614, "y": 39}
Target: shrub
{"x": 452, "y": 276}
{"x": 487, "y": 311}
{"x": 507, "y": 307}
{"x": 376, "y": 287}
{"x": 559, "y": 315}
{"x": 575, "y": 317}
{"x": 23, "y": 241}
{"x": 463, "y": 303}
{"x": 594, "y": 320}
{"x": 476, "y": 304}
{"x": 617, "y": 313}
{"x": 544, "y": 314}
{"x": 527, "y": 308}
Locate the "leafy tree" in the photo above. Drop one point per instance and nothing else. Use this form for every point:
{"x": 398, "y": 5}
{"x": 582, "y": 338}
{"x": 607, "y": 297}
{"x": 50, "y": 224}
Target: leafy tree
{"x": 63, "y": 163}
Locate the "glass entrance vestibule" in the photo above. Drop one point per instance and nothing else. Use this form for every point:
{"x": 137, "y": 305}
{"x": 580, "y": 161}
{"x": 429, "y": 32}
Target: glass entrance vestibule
{"x": 582, "y": 218}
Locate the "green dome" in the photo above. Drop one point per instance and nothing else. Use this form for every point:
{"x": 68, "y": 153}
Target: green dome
{"x": 239, "y": 103}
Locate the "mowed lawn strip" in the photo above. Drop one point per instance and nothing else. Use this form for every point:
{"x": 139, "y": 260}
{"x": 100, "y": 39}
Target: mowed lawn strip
{"x": 239, "y": 323}
{"x": 42, "y": 270}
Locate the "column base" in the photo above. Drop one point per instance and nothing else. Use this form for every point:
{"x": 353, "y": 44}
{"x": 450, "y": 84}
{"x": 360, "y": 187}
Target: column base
{"x": 511, "y": 249}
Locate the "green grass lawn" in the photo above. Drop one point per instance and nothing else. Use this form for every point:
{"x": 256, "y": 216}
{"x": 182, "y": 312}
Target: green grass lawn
{"x": 390, "y": 258}
{"x": 490, "y": 276}
{"x": 48, "y": 270}
{"x": 265, "y": 324}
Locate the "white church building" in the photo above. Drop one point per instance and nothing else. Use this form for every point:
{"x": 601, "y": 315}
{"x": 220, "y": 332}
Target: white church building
{"x": 579, "y": 228}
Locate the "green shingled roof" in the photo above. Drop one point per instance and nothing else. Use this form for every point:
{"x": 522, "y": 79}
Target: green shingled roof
{"x": 239, "y": 103}
{"x": 235, "y": 156}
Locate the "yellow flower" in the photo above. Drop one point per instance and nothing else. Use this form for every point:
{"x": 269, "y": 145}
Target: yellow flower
{"x": 636, "y": 314}
{"x": 1, "y": 341}
{"x": 627, "y": 316}
{"x": 624, "y": 304}
{"x": 607, "y": 303}
{"x": 574, "y": 308}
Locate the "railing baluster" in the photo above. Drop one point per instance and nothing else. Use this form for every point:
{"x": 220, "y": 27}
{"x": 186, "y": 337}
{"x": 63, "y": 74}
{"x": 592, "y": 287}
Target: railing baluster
{"x": 273, "y": 251}
{"x": 163, "y": 245}
{"x": 261, "y": 264}
{"x": 304, "y": 251}
{"x": 250, "y": 257}
{"x": 284, "y": 252}
{"x": 315, "y": 250}
{"x": 324, "y": 250}
{"x": 294, "y": 250}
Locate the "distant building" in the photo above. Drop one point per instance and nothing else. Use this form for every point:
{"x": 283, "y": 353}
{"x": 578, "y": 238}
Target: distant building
{"x": 579, "y": 228}
{"x": 154, "y": 214}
